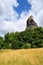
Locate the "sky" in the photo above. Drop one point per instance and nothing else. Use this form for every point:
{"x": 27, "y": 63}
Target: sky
{"x": 23, "y": 6}
{"x": 14, "y": 14}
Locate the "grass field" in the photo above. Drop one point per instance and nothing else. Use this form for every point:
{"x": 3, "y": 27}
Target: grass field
{"x": 21, "y": 57}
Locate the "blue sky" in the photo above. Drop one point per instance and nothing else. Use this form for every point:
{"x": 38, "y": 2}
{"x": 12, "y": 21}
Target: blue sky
{"x": 23, "y": 6}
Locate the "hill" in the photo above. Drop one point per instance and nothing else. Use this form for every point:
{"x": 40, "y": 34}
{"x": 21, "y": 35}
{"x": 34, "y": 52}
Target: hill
{"x": 30, "y": 38}
{"x": 22, "y": 57}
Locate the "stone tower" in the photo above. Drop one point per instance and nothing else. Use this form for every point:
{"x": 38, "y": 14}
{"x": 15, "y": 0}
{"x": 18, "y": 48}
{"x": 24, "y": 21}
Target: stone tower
{"x": 31, "y": 23}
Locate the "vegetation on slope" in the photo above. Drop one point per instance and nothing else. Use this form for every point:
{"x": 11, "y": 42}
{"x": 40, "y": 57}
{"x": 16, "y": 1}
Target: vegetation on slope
{"x": 22, "y": 57}
{"x": 30, "y": 38}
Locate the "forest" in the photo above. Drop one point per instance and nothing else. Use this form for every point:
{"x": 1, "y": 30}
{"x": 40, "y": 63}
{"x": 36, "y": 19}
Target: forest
{"x": 30, "y": 38}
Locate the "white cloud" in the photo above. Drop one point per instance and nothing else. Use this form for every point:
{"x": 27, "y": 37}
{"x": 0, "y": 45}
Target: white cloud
{"x": 18, "y": 25}
{"x": 6, "y": 9}
{"x": 37, "y": 5}
{"x": 37, "y": 10}
{"x": 40, "y": 18}
{"x": 7, "y": 12}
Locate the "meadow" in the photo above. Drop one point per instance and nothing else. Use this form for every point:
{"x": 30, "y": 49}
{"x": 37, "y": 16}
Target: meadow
{"x": 21, "y": 57}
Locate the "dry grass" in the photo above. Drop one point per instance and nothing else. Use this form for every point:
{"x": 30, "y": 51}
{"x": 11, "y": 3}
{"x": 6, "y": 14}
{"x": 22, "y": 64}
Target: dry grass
{"x": 21, "y": 57}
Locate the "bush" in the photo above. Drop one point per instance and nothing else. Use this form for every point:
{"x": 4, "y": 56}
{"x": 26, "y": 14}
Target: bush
{"x": 26, "y": 46}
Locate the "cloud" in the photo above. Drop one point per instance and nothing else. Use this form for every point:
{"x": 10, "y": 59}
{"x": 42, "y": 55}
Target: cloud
{"x": 6, "y": 9}
{"x": 36, "y": 5}
{"x": 11, "y": 26}
{"x": 37, "y": 10}
{"x": 8, "y": 16}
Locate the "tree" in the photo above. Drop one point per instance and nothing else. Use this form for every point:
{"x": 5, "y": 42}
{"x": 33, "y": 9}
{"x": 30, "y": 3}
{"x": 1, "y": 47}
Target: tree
{"x": 26, "y": 46}
{"x": 30, "y": 38}
{"x": 1, "y": 43}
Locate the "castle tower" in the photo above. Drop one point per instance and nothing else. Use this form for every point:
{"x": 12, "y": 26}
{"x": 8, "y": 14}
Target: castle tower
{"x": 31, "y": 23}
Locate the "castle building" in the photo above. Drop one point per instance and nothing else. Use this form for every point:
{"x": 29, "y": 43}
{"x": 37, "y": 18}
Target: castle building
{"x": 31, "y": 23}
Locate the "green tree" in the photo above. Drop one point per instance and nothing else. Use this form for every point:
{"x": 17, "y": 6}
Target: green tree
{"x": 1, "y": 43}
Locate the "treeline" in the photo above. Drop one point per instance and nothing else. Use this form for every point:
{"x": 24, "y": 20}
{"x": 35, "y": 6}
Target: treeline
{"x": 30, "y": 38}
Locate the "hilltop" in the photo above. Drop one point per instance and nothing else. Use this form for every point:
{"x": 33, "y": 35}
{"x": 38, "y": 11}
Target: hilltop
{"x": 31, "y": 37}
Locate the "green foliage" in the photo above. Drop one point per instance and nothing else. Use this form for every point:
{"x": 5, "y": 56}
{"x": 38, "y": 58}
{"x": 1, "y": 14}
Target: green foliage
{"x": 27, "y": 45}
{"x": 30, "y": 38}
{"x": 1, "y": 42}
